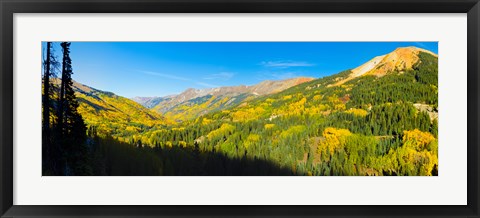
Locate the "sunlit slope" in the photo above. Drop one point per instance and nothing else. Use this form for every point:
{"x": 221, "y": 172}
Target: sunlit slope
{"x": 114, "y": 115}
{"x": 399, "y": 61}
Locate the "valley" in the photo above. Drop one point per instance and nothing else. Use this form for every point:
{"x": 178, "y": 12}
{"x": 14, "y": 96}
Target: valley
{"x": 380, "y": 118}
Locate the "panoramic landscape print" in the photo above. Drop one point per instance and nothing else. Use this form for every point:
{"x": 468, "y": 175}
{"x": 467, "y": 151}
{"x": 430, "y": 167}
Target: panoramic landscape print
{"x": 239, "y": 108}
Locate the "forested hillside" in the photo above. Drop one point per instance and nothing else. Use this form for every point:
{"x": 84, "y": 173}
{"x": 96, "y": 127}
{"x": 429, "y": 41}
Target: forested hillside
{"x": 114, "y": 115}
{"x": 378, "y": 119}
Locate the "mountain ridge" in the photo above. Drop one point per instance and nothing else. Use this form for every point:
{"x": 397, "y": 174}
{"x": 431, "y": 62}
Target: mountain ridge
{"x": 112, "y": 113}
{"x": 400, "y": 60}
{"x": 262, "y": 88}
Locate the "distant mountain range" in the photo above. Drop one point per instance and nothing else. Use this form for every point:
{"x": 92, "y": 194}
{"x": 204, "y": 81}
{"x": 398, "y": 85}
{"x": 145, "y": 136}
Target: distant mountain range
{"x": 149, "y": 102}
{"x": 194, "y": 102}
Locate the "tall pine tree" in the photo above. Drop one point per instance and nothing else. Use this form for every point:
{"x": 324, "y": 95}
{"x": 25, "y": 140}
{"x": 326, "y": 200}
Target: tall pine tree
{"x": 50, "y": 153}
{"x": 46, "y": 140}
{"x": 71, "y": 126}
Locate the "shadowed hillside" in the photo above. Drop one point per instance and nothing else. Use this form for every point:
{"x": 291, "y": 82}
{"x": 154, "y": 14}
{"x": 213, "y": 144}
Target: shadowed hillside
{"x": 113, "y": 158}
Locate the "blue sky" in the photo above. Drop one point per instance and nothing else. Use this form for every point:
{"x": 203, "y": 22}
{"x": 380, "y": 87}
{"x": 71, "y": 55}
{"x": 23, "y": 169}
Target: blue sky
{"x": 134, "y": 69}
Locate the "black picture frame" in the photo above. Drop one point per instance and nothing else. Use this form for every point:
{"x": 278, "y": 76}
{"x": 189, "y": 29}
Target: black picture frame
{"x": 10, "y": 7}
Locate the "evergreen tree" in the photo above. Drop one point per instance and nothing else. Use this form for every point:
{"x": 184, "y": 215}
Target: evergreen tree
{"x": 50, "y": 156}
{"x": 71, "y": 125}
{"x": 46, "y": 148}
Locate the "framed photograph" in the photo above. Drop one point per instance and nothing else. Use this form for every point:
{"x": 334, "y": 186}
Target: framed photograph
{"x": 246, "y": 108}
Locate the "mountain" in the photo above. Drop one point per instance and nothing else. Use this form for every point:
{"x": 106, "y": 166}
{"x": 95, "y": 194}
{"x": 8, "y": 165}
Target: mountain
{"x": 196, "y": 102}
{"x": 114, "y": 115}
{"x": 400, "y": 60}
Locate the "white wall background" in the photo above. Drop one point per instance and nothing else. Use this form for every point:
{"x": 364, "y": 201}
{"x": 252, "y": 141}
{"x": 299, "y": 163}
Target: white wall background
{"x": 448, "y": 188}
